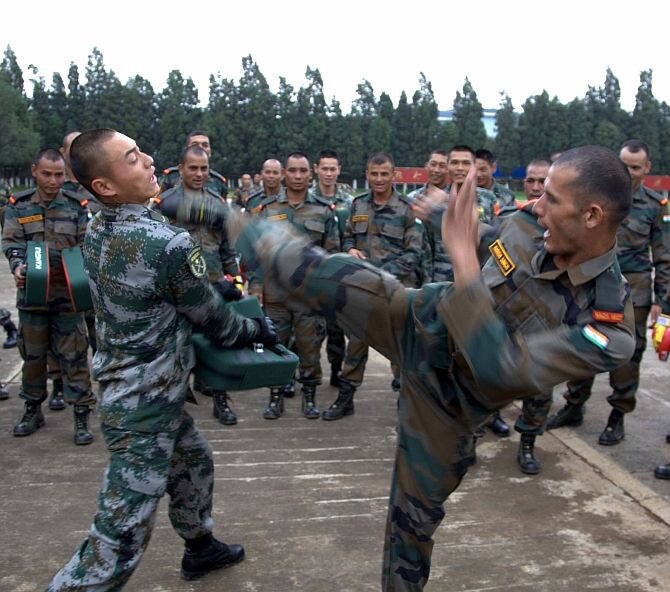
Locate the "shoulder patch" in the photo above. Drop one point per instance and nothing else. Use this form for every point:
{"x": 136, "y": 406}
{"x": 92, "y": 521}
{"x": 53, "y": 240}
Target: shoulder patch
{"x": 595, "y": 337}
{"x": 405, "y": 199}
{"x": 218, "y": 176}
{"x": 73, "y": 195}
{"x": 170, "y": 170}
{"x": 22, "y": 195}
{"x": 156, "y": 215}
{"x": 268, "y": 200}
{"x": 213, "y": 193}
{"x": 606, "y": 316}
{"x": 657, "y": 196}
{"x": 196, "y": 262}
{"x": 324, "y": 201}
{"x": 502, "y": 257}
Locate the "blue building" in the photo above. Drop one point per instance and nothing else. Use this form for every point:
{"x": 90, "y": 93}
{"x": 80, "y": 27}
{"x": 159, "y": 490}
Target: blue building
{"x": 488, "y": 119}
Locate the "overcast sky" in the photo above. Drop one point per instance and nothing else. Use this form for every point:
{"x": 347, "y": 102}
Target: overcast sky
{"x": 521, "y": 47}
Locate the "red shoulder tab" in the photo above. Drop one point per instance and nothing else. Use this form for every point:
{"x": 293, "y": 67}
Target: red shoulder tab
{"x": 12, "y": 199}
{"x": 84, "y": 203}
{"x": 664, "y": 201}
{"x": 166, "y": 171}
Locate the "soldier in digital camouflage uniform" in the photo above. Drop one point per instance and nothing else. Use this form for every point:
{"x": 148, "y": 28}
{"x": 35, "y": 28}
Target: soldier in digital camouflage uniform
{"x": 215, "y": 181}
{"x": 382, "y": 230}
{"x": 643, "y": 251}
{"x": 200, "y": 211}
{"x": 313, "y": 217}
{"x": 149, "y": 284}
{"x": 531, "y": 318}
{"x": 47, "y": 214}
{"x": 486, "y": 165}
{"x": 327, "y": 169}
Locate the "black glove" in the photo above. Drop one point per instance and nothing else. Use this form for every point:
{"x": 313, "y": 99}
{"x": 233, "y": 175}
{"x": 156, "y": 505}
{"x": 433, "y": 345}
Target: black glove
{"x": 268, "y": 334}
{"x": 228, "y": 290}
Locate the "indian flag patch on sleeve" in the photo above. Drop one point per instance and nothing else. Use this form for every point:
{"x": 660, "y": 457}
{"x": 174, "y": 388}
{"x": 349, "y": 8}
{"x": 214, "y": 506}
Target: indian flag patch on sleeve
{"x": 595, "y": 337}
{"x": 666, "y": 218}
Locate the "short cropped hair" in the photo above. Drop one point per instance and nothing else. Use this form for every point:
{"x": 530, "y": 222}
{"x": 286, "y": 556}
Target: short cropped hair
{"x": 86, "y": 159}
{"x": 196, "y": 133}
{"x": 195, "y": 150}
{"x": 380, "y": 158}
{"x": 636, "y": 146}
{"x": 539, "y": 162}
{"x": 440, "y": 152}
{"x": 600, "y": 175}
{"x": 327, "y": 153}
{"x": 487, "y": 155}
{"x": 297, "y": 154}
{"x": 48, "y": 154}
{"x": 461, "y": 148}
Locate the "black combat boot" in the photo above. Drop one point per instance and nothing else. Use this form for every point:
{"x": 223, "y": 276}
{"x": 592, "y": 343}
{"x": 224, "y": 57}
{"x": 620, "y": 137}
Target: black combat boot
{"x": 222, "y": 410}
{"x": 568, "y": 415}
{"x": 82, "y": 435}
{"x": 289, "y": 390}
{"x": 31, "y": 421}
{"x": 662, "y": 472}
{"x": 525, "y": 457}
{"x": 613, "y": 432}
{"x": 206, "y": 554}
{"x": 12, "y": 334}
{"x": 4, "y": 393}
{"x": 275, "y": 407}
{"x": 343, "y": 405}
{"x": 56, "y": 401}
{"x": 309, "y": 408}
{"x": 335, "y": 369}
{"x": 498, "y": 425}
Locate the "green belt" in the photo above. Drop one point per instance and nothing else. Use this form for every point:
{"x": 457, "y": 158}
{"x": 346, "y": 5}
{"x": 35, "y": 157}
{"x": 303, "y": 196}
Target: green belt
{"x": 246, "y": 368}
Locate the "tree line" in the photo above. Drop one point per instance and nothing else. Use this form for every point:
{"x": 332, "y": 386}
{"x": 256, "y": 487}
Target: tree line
{"x": 248, "y": 122}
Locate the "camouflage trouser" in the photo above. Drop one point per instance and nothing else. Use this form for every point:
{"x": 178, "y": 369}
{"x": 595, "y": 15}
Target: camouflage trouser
{"x": 534, "y": 413}
{"x": 309, "y": 331}
{"x": 625, "y": 380}
{"x": 53, "y": 369}
{"x": 64, "y": 335}
{"x": 355, "y": 361}
{"x": 336, "y": 344}
{"x": 142, "y": 468}
{"x": 433, "y": 454}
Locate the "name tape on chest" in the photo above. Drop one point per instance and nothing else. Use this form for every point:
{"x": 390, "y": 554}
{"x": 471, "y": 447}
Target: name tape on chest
{"x": 595, "y": 337}
{"x": 360, "y": 218}
{"x": 604, "y": 316}
{"x": 278, "y": 217}
{"x": 502, "y": 258}
{"x": 196, "y": 262}
{"x": 29, "y": 219}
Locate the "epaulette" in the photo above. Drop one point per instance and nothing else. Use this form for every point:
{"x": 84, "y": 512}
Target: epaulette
{"x": 362, "y": 195}
{"x": 157, "y": 216}
{"x": 213, "y": 193}
{"x": 22, "y": 195}
{"x": 405, "y": 199}
{"x": 255, "y": 194}
{"x": 608, "y": 306}
{"x": 83, "y": 202}
{"x": 324, "y": 201}
{"x": 267, "y": 201}
{"x": 170, "y": 170}
{"x": 219, "y": 176}
{"x": 657, "y": 196}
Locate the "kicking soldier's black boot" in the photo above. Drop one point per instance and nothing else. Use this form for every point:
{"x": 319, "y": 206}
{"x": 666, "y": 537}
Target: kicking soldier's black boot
{"x": 343, "y": 405}
{"x": 4, "y": 393}
{"x": 525, "y": 457}
{"x": 613, "y": 432}
{"x": 56, "y": 401}
{"x": 31, "y": 421}
{"x": 662, "y": 472}
{"x": 309, "y": 408}
{"x": 275, "y": 407}
{"x": 289, "y": 390}
{"x": 222, "y": 410}
{"x": 568, "y": 415}
{"x": 206, "y": 554}
{"x": 82, "y": 435}
{"x": 12, "y": 335}
{"x": 498, "y": 426}
{"x": 335, "y": 369}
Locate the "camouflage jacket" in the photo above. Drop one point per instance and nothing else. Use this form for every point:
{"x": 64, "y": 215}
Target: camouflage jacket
{"x": 525, "y": 327}
{"x": 87, "y": 198}
{"x": 216, "y": 181}
{"x": 342, "y": 200}
{"x": 435, "y": 262}
{"x": 314, "y": 218}
{"x": 389, "y": 235}
{"x": 203, "y": 214}
{"x": 149, "y": 284}
{"x": 60, "y": 223}
{"x": 504, "y": 196}
{"x": 646, "y": 228}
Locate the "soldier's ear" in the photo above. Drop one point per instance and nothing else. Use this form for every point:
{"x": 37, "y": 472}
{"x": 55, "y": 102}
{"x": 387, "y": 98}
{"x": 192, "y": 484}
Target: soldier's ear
{"x": 102, "y": 187}
{"x": 594, "y": 215}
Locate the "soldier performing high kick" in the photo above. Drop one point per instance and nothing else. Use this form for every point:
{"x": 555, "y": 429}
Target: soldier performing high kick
{"x": 533, "y": 317}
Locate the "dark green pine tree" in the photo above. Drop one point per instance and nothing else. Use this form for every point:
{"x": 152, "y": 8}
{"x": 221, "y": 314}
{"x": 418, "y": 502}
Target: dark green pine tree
{"x": 76, "y": 100}
{"x": 579, "y": 125}
{"x": 338, "y": 139}
{"x": 507, "y": 141}
{"x": 468, "y": 114}
{"x": 12, "y": 70}
{"x": 424, "y": 121}
{"x": 402, "y": 140}
{"x": 312, "y": 102}
{"x": 104, "y": 95}
{"x": 19, "y": 142}
{"x": 58, "y": 108}
{"x": 363, "y": 111}
{"x": 287, "y": 132}
{"x": 222, "y": 121}
{"x": 646, "y": 121}
{"x": 542, "y": 127}
{"x": 141, "y": 113}
{"x": 381, "y": 127}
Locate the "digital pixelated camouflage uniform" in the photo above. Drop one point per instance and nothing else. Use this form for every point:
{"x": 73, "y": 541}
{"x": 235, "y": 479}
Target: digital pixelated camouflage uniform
{"x": 315, "y": 219}
{"x": 390, "y": 237}
{"x": 149, "y": 285}
{"x": 335, "y": 340}
{"x": 215, "y": 181}
{"x": 645, "y": 232}
{"x": 54, "y": 327}
{"x": 463, "y": 352}
{"x": 504, "y": 196}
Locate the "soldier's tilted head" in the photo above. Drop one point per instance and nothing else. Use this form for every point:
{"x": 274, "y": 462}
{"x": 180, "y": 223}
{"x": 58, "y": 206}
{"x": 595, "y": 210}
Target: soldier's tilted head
{"x": 201, "y": 139}
{"x": 48, "y": 169}
{"x": 536, "y": 173}
{"x": 486, "y": 167}
{"x": 437, "y": 168}
{"x": 112, "y": 167}
{"x": 637, "y": 158}
{"x": 194, "y": 167}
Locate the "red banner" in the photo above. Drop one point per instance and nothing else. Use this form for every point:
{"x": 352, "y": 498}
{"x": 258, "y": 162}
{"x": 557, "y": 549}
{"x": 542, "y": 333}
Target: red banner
{"x": 657, "y": 182}
{"x": 410, "y": 175}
